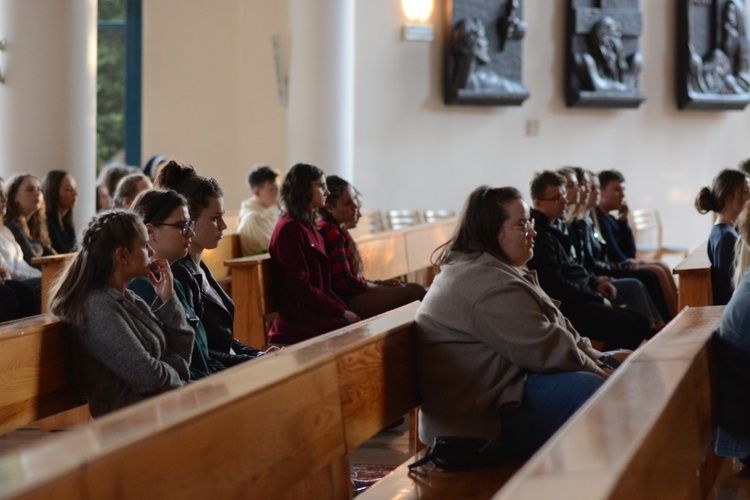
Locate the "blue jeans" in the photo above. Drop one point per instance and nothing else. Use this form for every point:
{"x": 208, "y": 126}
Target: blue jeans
{"x": 548, "y": 401}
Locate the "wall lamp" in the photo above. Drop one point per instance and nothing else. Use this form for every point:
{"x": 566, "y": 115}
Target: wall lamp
{"x": 418, "y": 13}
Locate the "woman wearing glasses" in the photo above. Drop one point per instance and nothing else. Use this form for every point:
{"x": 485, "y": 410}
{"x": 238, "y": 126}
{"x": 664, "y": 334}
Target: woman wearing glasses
{"x": 497, "y": 358}
{"x": 308, "y": 306}
{"x": 170, "y": 230}
{"x": 214, "y": 307}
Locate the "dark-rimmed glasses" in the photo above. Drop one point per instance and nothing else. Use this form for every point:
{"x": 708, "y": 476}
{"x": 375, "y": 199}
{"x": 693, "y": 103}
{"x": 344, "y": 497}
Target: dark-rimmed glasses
{"x": 184, "y": 226}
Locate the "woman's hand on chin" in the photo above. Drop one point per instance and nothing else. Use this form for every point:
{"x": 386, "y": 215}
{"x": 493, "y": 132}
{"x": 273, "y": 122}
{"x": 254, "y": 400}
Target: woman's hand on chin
{"x": 160, "y": 275}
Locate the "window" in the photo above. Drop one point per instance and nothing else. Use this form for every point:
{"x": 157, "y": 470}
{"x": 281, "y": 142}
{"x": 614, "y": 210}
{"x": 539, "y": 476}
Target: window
{"x": 118, "y": 86}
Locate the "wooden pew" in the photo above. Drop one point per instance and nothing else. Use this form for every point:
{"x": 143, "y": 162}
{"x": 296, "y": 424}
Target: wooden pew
{"x": 646, "y": 433}
{"x": 51, "y": 266}
{"x": 694, "y": 274}
{"x": 229, "y": 248}
{"x": 280, "y": 426}
{"x": 34, "y": 380}
{"x": 253, "y": 298}
{"x": 295, "y": 414}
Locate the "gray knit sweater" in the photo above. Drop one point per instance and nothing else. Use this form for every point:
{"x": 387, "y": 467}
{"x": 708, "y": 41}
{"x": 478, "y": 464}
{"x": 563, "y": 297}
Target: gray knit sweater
{"x": 127, "y": 351}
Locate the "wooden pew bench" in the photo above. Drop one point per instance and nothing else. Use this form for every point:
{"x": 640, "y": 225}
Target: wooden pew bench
{"x": 34, "y": 380}
{"x": 229, "y": 248}
{"x": 289, "y": 420}
{"x": 51, "y": 266}
{"x": 647, "y": 433}
{"x": 694, "y": 274}
{"x": 280, "y": 426}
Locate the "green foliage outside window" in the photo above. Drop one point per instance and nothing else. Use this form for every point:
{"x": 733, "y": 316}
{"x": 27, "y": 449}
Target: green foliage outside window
{"x": 110, "y": 83}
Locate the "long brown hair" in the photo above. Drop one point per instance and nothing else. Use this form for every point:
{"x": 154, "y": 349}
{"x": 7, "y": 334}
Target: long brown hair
{"x": 481, "y": 220}
{"x": 35, "y": 226}
{"x": 336, "y": 186}
{"x": 51, "y": 191}
{"x": 297, "y": 192}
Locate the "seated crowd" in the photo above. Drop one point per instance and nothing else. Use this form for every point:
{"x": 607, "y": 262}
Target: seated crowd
{"x": 503, "y": 336}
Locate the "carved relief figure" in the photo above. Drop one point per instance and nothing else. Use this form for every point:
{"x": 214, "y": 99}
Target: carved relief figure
{"x": 471, "y": 54}
{"x": 725, "y": 70}
{"x": 607, "y": 67}
{"x": 511, "y": 27}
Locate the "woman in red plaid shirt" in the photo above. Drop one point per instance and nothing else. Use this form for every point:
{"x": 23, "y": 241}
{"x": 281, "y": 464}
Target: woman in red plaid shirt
{"x": 363, "y": 297}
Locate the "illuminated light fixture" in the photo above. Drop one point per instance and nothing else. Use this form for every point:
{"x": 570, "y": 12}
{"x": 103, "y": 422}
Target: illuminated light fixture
{"x": 418, "y": 12}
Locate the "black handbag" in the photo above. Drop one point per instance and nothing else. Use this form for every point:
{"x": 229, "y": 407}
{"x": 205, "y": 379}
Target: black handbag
{"x": 456, "y": 453}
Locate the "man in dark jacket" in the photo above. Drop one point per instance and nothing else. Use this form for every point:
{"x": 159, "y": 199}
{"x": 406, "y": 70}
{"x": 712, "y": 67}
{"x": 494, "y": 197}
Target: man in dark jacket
{"x": 584, "y": 298}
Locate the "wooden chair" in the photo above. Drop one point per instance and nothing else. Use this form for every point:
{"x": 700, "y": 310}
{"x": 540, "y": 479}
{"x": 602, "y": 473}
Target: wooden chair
{"x": 647, "y": 226}
{"x": 436, "y": 215}
{"x": 398, "y": 219}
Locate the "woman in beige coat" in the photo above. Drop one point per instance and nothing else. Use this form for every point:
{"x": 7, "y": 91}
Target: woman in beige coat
{"x": 497, "y": 359}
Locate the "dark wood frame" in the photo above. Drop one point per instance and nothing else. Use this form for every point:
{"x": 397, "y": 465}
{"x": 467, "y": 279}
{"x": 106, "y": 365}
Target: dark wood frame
{"x": 581, "y": 18}
{"x": 701, "y": 30}
{"x": 506, "y": 64}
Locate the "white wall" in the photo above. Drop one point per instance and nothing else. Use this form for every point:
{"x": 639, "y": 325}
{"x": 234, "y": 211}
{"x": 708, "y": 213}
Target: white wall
{"x": 414, "y": 152}
{"x": 48, "y": 101}
{"x": 209, "y": 87}
{"x": 210, "y": 99}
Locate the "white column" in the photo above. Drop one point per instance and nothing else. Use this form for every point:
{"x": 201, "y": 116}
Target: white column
{"x": 321, "y": 85}
{"x": 48, "y": 100}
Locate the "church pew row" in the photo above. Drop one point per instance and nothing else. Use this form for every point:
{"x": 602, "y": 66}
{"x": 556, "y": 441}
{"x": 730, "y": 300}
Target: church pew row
{"x": 646, "y": 433}
{"x": 385, "y": 255}
{"x": 288, "y": 421}
{"x": 280, "y": 426}
{"x": 694, "y": 274}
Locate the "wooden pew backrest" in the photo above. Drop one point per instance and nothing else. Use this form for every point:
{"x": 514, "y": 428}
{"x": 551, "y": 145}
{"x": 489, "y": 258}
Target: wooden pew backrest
{"x": 694, "y": 274}
{"x": 229, "y": 248}
{"x": 281, "y": 425}
{"x": 52, "y": 266}
{"x": 648, "y": 430}
{"x": 33, "y": 374}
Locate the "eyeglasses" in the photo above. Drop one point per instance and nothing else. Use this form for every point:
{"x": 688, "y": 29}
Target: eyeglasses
{"x": 526, "y": 226}
{"x": 184, "y": 226}
{"x": 557, "y": 199}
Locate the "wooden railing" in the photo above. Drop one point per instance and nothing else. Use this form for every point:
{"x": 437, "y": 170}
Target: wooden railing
{"x": 694, "y": 274}
{"x": 282, "y": 426}
{"x": 279, "y": 426}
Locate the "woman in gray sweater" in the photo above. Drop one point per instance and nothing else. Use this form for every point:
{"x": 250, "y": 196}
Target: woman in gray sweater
{"x": 497, "y": 359}
{"x": 125, "y": 350}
